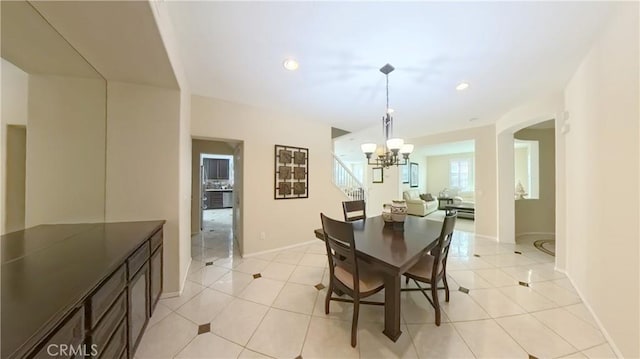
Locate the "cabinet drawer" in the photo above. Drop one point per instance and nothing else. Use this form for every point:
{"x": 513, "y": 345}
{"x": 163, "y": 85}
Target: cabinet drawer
{"x": 155, "y": 287}
{"x": 117, "y": 343}
{"x": 67, "y": 339}
{"x": 156, "y": 240}
{"x": 109, "y": 323}
{"x": 138, "y": 259}
{"x": 104, "y": 296}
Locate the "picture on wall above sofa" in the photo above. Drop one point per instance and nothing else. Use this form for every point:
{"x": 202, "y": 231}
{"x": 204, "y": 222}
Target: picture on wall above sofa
{"x": 413, "y": 175}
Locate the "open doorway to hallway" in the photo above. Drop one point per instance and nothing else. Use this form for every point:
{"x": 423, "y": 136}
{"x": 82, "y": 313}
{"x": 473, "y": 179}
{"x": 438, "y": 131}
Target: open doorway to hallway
{"x": 216, "y": 189}
{"x": 535, "y": 192}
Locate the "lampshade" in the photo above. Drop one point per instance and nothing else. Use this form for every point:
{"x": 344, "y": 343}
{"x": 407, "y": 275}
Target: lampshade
{"x": 395, "y": 143}
{"x": 368, "y": 147}
{"x": 406, "y": 148}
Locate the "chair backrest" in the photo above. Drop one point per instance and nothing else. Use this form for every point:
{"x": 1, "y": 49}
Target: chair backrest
{"x": 341, "y": 247}
{"x": 441, "y": 251}
{"x": 348, "y": 207}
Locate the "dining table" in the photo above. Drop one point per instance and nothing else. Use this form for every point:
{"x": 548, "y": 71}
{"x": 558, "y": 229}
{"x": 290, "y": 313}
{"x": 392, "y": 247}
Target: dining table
{"x": 391, "y": 250}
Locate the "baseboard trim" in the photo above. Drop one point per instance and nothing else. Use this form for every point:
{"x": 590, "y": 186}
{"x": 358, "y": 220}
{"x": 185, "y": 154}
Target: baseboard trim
{"x": 487, "y": 237}
{"x": 535, "y": 234}
{"x": 608, "y": 337}
{"x": 249, "y": 255}
{"x": 165, "y": 295}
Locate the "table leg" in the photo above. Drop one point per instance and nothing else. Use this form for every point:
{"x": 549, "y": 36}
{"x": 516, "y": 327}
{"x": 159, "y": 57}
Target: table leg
{"x": 392, "y": 307}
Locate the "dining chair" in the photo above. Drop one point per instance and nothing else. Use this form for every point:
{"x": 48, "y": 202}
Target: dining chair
{"x": 347, "y": 275}
{"x": 349, "y": 207}
{"x": 432, "y": 268}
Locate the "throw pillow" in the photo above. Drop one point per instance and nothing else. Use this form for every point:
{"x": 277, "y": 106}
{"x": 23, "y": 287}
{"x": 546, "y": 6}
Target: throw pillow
{"x": 426, "y": 197}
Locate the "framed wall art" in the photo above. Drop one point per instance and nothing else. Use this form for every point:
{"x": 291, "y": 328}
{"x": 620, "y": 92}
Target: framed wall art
{"x": 413, "y": 175}
{"x": 291, "y": 172}
{"x": 405, "y": 174}
{"x": 377, "y": 175}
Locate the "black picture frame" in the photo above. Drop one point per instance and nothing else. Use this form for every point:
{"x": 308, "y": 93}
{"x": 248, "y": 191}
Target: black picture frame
{"x": 413, "y": 175}
{"x": 377, "y": 175}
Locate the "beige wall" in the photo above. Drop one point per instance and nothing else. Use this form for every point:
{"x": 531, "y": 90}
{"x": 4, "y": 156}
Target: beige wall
{"x": 602, "y": 165}
{"x": 539, "y": 215}
{"x": 142, "y": 164}
{"x": 166, "y": 29}
{"x": 381, "y": 193}
{"x": 15, "y": 87}
{"x": 438, "y": 170}
{"x": 199, "y": 147}
{"x": 520, "y": 160}
{"x": 65, "y": 176}
{"x": 14, "y": 210}
{"x": 284, "y": 222}
{"x": 485, "y": 174}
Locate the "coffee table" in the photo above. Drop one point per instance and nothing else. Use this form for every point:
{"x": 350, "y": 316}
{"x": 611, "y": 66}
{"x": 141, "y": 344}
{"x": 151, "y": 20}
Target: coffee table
{"x": 464, "y": 210}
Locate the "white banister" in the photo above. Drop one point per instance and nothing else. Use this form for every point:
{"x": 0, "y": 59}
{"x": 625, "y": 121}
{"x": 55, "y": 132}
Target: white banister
{"x": 348, "y": 183}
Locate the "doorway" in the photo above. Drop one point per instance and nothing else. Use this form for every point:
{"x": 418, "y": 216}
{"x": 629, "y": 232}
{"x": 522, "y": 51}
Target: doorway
{"x": 534, "y": 185}
{"x": 215, "y": 186}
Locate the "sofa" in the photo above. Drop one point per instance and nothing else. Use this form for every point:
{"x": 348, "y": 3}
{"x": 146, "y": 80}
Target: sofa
{"x": 417, "y": 206}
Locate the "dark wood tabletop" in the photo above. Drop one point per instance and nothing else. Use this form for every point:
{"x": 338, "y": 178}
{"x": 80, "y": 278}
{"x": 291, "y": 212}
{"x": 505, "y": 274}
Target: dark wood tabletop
{"x": 47, "y": 269}
{"x": 392, "y": 252}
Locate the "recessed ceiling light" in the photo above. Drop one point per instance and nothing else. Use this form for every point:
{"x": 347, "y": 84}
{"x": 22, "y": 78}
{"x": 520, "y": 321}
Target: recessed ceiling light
{"x": 290, "y": 64}
{"x": 462, "y": 86}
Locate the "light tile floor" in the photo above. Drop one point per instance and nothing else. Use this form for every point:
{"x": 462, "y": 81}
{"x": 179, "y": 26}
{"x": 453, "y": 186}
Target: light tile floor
{"x": 280, "y": 313}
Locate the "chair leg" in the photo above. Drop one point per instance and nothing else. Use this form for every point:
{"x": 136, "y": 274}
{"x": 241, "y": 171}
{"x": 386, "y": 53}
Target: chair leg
{"x": 327, "y": 299}
{"x": 446, "y": 287}
{"x": 354, "y": 324}
{"x": 436, "y": 304}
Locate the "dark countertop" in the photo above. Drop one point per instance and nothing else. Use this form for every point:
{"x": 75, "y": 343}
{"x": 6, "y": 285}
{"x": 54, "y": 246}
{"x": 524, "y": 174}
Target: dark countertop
{"x": 219, "y": 190}
{"x": 48, "y": 269}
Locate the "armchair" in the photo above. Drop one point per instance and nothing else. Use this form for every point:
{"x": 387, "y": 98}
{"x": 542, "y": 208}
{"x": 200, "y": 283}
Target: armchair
{"x": 417, "y": 206}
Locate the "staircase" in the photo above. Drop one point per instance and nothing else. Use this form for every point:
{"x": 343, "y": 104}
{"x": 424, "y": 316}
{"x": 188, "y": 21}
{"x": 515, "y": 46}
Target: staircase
{"x": 345, "y": 180}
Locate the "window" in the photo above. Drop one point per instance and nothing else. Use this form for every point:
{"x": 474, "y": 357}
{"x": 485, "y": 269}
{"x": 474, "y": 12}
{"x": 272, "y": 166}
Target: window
{"x": 460, "y": 174}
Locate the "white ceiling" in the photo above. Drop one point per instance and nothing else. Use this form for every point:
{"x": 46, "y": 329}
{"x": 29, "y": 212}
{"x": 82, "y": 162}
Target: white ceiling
{"x": 119, "y": 38}
{"x": 30, "y": 43}
{"x": 509, "y": 52}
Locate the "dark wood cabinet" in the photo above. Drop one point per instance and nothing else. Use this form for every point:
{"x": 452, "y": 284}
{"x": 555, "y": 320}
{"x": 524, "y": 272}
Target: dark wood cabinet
{"x": 97, "y": 307}
{"x": 138, "y": 307}
{"x": 68, "y": 335}
{"x": 155, "y": 287}
{"x": 216, "y": 168}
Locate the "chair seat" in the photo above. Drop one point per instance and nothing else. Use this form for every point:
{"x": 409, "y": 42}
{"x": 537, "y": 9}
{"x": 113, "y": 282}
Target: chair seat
{"x": 368, "y": 280}
{"x": 422, "y": 269}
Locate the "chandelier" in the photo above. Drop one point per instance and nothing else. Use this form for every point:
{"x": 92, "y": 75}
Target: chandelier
{"x": 394, "y": 151}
